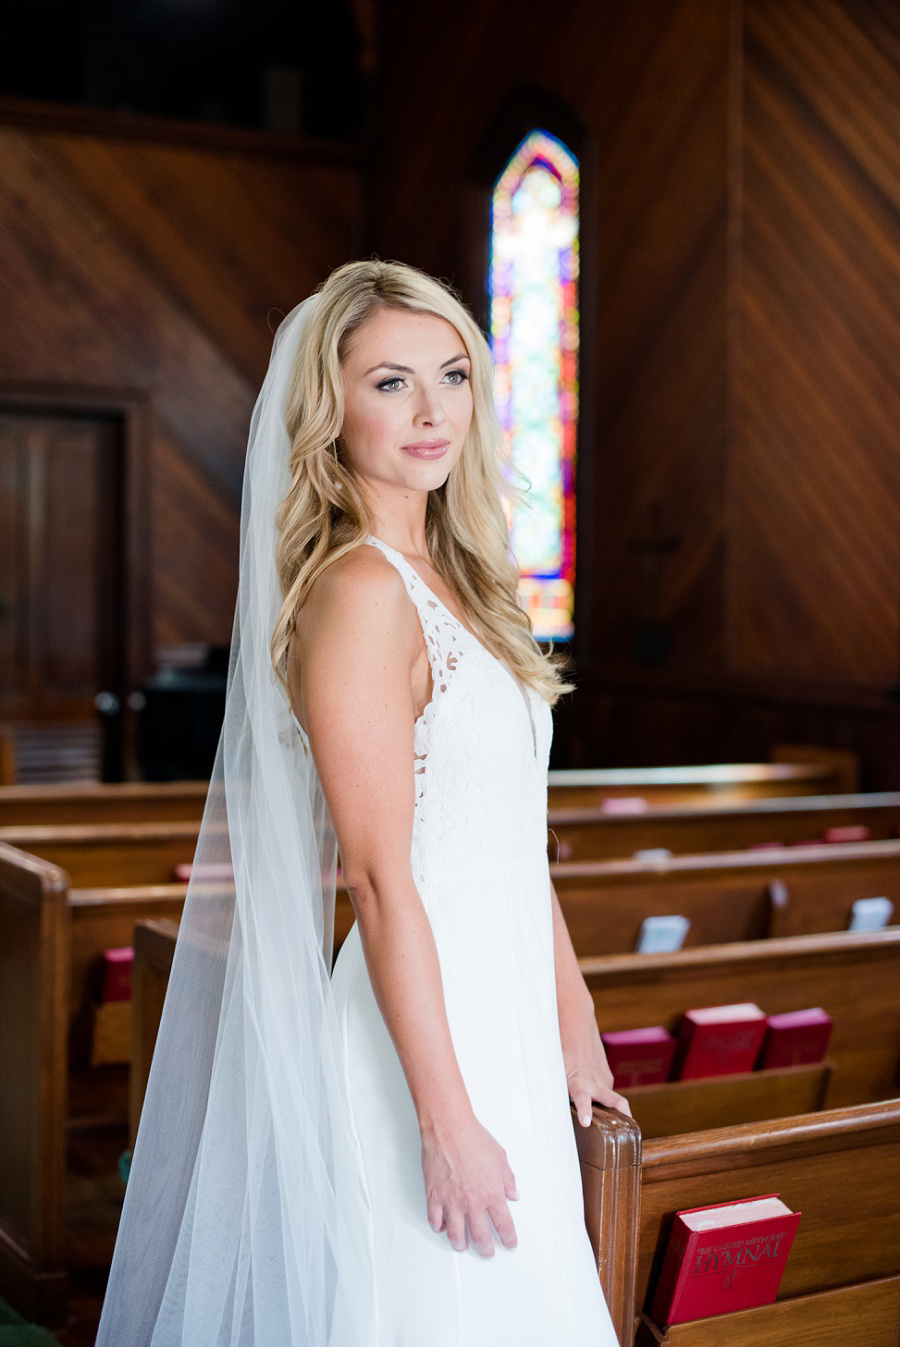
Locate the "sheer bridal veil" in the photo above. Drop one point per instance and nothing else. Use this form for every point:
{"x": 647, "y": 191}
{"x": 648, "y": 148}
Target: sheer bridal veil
{"x": 244, "y": 1222}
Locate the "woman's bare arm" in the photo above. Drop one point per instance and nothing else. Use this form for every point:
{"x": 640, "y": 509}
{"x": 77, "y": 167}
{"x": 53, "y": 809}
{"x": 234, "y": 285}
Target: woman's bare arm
{"x": 351, "y": 667}
{"x": 587, "y": 1070}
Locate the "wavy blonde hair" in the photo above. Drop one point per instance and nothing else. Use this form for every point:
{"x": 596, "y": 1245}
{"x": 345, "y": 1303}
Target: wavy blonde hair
{"x": 324, "y": 515}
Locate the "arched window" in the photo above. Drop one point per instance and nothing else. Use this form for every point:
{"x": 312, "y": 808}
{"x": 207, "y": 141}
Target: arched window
{"x": 533, "y": 291}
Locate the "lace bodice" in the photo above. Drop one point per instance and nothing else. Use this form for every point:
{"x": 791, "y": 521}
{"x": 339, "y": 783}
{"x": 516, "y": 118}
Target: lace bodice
{"x": 482, "y": 745}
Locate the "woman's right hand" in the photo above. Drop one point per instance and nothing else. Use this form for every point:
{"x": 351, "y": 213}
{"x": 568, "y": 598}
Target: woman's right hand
{"x": 467, "y": 1177}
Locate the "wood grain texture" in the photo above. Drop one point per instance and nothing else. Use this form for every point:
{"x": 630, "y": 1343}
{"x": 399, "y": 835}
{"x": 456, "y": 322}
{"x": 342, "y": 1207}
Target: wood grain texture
{"x": 726, "y": 896}
{"x": 111, "y": 854}
{"x": 852, "y": 976}
{"x": 868, "y": 1313}
{"x": 157, "y": 802}
{"x": 625, "y": 719}
{"x": 120, "y": 802}
{"x": 739, "y": 367}
{"x": 727, "y": 1101}
{"x": 54, "y": 938}
{"x": 839, "y": 1168}
{"x": 154, "y": 949}
{"x": 609, "y": 1153}
{"x": 592, "y": 834}
{"x": 814, "y": 577}
{"x": 155, "y": 268}
{"x": 648, "y": 85}
{"x": 33, "y": 1015}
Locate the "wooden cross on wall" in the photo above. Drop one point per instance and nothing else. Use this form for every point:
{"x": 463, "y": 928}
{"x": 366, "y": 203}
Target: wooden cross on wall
{"x": 653, "y": 637}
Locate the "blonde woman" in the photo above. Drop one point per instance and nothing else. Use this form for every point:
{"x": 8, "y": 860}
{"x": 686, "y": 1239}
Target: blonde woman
{"x": 383, "y": 1157}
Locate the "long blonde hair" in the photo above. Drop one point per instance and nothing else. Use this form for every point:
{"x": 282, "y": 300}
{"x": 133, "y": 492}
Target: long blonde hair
{"x": 324, "y": 516}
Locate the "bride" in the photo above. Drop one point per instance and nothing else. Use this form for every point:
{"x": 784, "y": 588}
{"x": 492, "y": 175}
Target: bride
{"x": 382, "y": 1154}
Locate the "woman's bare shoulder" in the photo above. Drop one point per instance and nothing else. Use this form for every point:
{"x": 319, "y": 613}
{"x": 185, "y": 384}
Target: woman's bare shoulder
{"x": 356, "y": 634}
{"x": 362, "y": 594}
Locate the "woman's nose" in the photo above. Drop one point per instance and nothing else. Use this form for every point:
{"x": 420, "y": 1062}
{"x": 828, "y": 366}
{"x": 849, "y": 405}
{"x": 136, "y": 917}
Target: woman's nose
{"x": 430, "y": 407}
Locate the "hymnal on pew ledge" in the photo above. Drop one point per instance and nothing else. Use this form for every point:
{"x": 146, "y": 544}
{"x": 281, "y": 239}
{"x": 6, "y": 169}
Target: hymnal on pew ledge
{"x": 726, "y": 1257}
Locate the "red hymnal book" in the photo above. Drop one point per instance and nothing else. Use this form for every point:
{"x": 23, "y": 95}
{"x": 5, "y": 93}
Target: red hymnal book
{"x": 213, "y": 872}
{"x": 719, "y": 1040}
{"x": 639, "y": 1056}
{"x": 117, "y": 965}
{"x": 624, "y": 804}
{"x": 850, "y": 832}
{"x": 723, "y": 1258}
{"x": 796, "y": 1039}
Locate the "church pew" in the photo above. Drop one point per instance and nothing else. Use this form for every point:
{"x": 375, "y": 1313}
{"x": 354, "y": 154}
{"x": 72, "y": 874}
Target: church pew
{"x": 92, "y": 802}
{"x": 592, "y": 834}
{"x": 147, "y": 853}
{"x": 52, "y": 939}
{"x": 744, "y": 895}
{"x": 797, "y": 771}
{"x": 7, "y": 757}
{"x": 101, "y": 919}
{"x": 853, "y": 976}
{"x": 154, "y": 949}
{"x": 730, "y": 897}
{"x": 724, "y": 1101}
{"x": 610, "y": 1157}
{"x": 793, "y": 771}
{"x": 840, "y": 1168}
{"x": 33, "y": 1073}
{"x": 103, "y": 854}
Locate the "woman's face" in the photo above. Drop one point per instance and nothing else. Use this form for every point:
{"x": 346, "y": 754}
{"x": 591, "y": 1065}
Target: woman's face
{"x": 407, "y": 401}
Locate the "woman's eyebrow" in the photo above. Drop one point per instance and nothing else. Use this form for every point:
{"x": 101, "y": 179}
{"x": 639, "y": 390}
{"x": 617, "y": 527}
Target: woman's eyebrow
{"x": 405, "y": 369}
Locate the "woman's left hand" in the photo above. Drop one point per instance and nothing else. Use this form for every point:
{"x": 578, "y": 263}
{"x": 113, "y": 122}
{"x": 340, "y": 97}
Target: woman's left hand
{"x": 587, "y": 1073}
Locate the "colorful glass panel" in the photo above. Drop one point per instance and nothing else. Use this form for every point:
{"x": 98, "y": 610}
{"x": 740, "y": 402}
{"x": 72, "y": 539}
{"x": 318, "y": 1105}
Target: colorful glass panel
{"x": 534, "y": 341}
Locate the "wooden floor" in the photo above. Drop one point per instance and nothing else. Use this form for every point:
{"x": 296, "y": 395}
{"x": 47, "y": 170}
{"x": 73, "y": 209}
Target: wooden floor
{"x": 84, "y": 1311}
{"x": 93, "y": 1202}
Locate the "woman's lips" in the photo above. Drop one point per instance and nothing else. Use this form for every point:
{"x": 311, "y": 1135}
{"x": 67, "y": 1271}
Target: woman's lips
{"x": 427, "y": 449}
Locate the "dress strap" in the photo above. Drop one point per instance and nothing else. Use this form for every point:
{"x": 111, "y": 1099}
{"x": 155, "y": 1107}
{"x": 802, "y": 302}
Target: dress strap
{"x": 439, "y": 627}
{"x": 429, "y": 611}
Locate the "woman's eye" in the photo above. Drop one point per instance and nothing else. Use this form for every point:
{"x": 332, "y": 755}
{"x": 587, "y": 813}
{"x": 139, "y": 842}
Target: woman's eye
{"x": 384, "y": 383}
{"x": 462, "y": 375}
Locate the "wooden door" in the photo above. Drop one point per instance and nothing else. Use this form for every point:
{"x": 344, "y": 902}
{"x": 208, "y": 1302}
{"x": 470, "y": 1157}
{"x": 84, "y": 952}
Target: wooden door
{"x": 64, "y": 562}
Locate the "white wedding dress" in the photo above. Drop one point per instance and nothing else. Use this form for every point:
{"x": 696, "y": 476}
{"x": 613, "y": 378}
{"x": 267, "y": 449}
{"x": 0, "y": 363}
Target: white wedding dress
{"x": 479, "y": 861}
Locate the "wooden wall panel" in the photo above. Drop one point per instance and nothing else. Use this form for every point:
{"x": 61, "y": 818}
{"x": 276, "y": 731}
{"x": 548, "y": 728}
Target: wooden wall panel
{"x": 649, "y": 84}
{"x": 815, "y": 549}
{"x": 153, "y": 268}
{"x": 259, "y": 236}
{"x": 740, "y": 371}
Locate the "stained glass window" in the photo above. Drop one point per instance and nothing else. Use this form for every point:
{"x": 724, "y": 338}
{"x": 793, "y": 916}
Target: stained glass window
{"x": 534, "y": 339}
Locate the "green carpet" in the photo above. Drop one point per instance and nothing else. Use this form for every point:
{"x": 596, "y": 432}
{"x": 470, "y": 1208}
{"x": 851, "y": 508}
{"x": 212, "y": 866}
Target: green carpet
{"x": 26, "y": 1335}
{"x": 14, "y": 1332}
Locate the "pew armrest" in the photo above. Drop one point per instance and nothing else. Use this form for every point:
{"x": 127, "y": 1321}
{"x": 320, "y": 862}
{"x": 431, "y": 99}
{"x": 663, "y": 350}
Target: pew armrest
{"x": 609, "y": 1152}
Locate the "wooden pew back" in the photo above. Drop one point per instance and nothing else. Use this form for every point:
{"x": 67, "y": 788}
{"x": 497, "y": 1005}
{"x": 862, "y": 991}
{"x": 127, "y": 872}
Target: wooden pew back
{"x": 101, "y": 919}
{"x": 110, "y": 854}
{"x": 591, "y": 834}
{"x": 33, "y": 1021}
{"x": 726, "y": 897}
{"x": 853, "y": 976}
{"x": 52, "y": 940}
{"x": 90, "y": 802}
{"x": 103, "y": 854}
{"x": 154, "y": 950}
{"x": 793, "y": 771}
{"x": 705, "y": 787}
{"x": 840, "y": 1168}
